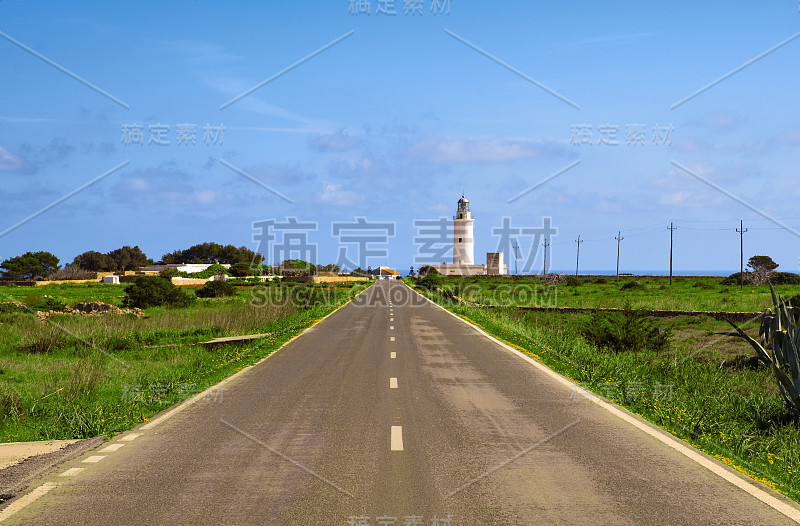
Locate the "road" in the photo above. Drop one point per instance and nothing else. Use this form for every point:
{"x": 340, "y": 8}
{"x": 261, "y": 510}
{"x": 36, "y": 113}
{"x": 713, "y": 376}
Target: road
{"x": 390, "y": 411}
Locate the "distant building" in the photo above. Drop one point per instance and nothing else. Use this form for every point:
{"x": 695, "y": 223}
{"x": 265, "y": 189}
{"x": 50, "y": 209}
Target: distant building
{"x": 385, "y": 273}
{"x": 464, "y": 248}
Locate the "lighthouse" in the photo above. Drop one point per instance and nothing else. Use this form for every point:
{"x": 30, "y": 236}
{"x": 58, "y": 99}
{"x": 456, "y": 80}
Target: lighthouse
{"x": 463, "y": 240}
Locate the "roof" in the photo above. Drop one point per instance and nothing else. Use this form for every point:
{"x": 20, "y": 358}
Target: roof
{"x": 385, "y": 270}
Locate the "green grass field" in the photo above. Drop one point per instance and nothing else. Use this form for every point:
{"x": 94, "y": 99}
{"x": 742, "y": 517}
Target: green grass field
{"x": 685, "y": 293}
{"x": 697, "y": 389}
{"x": 86, "y": 376}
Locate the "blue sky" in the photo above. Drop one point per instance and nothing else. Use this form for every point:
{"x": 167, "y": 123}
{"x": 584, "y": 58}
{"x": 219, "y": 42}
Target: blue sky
{"x": 398, "y": 118}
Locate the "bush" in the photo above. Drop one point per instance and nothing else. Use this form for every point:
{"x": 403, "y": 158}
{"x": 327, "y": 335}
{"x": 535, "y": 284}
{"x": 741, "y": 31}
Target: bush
{"x": 432, "y": 281}
{"x": 599, "y": 281}
{"x": 632, "y": 285}
{"x": 785, "y": 278}
{"x": 733, "y": 279}
{"x": 573, "y": 281}
{"x": 216, "y": 289}
{"x": 169, "y": 273}
{"x": 154, "y": 291}
{"x": 72, "y": 272}
{"x": 629, "y": 330}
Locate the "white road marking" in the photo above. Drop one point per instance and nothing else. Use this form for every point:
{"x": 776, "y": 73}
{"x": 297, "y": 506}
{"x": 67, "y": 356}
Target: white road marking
{"x": 23, "y": 501}
{"x": 391, "y": 319}
{"x": 71, "y": 472}
{"x": 391, "y": 327}
{"x": 393, "y": 355}
{"x": 132, "y": 436}
{"x": 392, "y": 383}
{"x": 111, "y": 447}
{"x": 94, "y": 458}
{"x": 391, "y": 338}
{"x": 662, "y": 436}
{"x": 397, "y": 438}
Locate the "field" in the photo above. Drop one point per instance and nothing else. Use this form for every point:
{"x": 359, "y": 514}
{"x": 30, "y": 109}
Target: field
{"x": 703, "y": 387}
{"x": 650, "y": 292}
{"x": 86, "y": 376}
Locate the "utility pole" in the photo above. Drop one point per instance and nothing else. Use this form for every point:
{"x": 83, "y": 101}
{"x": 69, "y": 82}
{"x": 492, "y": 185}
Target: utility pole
{"x": 671, "y": 229}
{"x": 544, "y": 269}
{"x": 741, "y": 230}
{"x": 619, "y": 239}
{"x": 516, "y": 256}
{"x": 577, "y": 257}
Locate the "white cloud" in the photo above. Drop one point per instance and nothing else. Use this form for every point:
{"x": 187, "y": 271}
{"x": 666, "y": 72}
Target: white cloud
{"x": 460, "y": 150}
{"x": 10, "y": 162}
{"x": 334, "y": 195}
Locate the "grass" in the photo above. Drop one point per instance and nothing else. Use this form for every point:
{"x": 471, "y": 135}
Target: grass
{"x": 651, "y": 292}
{"x": 80, "y": 377}
{"x": 733, "y": 413}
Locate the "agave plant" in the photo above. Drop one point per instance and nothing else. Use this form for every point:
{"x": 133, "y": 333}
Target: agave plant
{"x": 780, "y": 334}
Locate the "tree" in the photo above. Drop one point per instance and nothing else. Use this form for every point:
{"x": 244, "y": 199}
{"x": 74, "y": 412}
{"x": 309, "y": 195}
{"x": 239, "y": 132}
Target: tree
{"x": 128, "y": 258}
{"x": 29, "y": 265}
{"x": 95, "y": 262}
{"x": 762, "y": 267}
{"x": 213, "y": 253}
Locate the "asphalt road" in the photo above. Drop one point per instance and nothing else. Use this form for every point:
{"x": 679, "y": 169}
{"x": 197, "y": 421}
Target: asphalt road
{"x": 319, "y": 433}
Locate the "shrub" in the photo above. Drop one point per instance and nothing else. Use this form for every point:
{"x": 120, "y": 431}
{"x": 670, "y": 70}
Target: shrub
{"x": 599, "y": 281}
{"x": 629, "y": 330}
{"x": 702, "y": 285}
{"x": 632, "y": 285}
{"x": 169, "y": 273}
{"x": 71, "y": 272}
{"x": 573, "y": 281}
{"x": 785, "y": 278}
{"x": 153, "y": 291}
{"x": 432, "y": 281}
{"x": 216, "y": 289}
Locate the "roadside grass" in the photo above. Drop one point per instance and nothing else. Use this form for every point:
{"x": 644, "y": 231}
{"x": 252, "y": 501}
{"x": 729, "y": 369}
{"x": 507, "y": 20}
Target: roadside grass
{"x": 650, "y": 292}
{"x": 734, "y": 413}
{"x": 86, "y": 376}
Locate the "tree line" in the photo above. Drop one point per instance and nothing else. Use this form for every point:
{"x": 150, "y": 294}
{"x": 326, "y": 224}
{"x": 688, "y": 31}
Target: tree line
{"x": 243, "y": 261}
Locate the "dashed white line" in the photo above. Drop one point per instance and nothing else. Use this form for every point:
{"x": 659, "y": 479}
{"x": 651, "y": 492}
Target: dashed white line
{"x": 391, "y": 338}
{"x": 71, "y": 472}
{"x": 392, "y": 383}
{"x": 397, "y": 438}
{"x": 23, "y": 501}
{"x": 111, "y": 447}
{"x": 392, "y": 355}
{"x": 391, "y": 319}
{"x": 391, "y": 327}
{"x": 132, "y": 436}
{"x": 94, "y": 458}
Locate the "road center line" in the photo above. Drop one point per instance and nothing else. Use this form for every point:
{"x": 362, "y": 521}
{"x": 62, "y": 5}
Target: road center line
{"x": 391, "y": 327}
{"x": 397, "y": 438}
{"x": 392, "y": 383}
{"x": 391, "y": 338}
{"x": 392, "y": 355}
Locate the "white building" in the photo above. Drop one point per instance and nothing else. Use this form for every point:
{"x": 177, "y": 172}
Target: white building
{"x": 464, "y": 248}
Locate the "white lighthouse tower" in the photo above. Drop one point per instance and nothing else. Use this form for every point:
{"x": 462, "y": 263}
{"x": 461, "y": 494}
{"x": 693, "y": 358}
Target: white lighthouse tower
{"x": 463, "y": 240}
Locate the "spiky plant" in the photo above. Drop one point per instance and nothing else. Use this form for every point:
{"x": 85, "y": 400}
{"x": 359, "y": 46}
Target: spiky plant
{"x": 780, "y": 334}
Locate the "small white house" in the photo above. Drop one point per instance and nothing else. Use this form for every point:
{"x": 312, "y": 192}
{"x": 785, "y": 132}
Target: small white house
{"x": 111, "y": 279}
